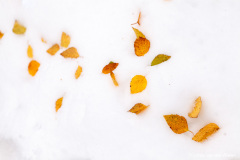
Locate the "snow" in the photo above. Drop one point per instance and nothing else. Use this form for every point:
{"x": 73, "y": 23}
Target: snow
{"x": 202, "y": 37}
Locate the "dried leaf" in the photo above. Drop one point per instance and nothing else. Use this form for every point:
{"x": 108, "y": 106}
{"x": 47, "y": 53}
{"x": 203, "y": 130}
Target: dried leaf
{"x": 113, "y": 78}
{"x": 70, "y": 53}
{"x": 159, "y": 59}
{"x": 109, "y": 68}
{"x": 43, "y": 40}
{"x": 141, "y": 46}
{"x": 138, "y": 84}
{"x": 78, "y": 72}
{"x": 33, "y": 67}
{"x": 205, "y": 132}
{"x": 138, "y": 21}
{"x": 138, "y": 33}
{"x": 59, "y": 103}
{"x": 196, "y": 109}
{"x": 65, "y": 40}
{"x": 18, "y": 28}
{"x": 30, "y": 51}
{"x": 53, "y": 50}
{"x": 1, "y": 35}
{"x": 138, "y": 108}
{"x": 177, "y": 123}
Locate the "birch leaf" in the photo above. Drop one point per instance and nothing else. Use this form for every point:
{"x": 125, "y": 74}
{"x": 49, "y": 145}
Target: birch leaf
{"x": 70, "y": 53}
{"x": 1, "y": 35}
{"x": 196, "y": 109}
{"x": 78, "y": 72}
{"x": 138, "y": 108}
{"x": 18, "y": 28}
{"x": 30, "y": 51}
{"x": 138, "y": 33}
{"x": 113, "y": 78}
{"x": 59, "y": 103}
{"x": 33, "y": 67}
{"x": 177, "y": 123}
{"x": 159, "y": 59}
{"x": 53, "y": 50}
{"x": 65, "y": 40}
{"x": 109, "y": 68}
{"x": 141, "y": 46}
{"x": 138, "y": 84}
{"x": 205, "y": 132}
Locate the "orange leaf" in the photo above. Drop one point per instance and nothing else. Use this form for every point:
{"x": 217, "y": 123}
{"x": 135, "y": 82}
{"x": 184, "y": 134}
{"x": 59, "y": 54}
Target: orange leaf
{"x": 70, "y": 53}
{"x": 205, "y": 132}
{"x": 33, "y": 67}
{"x": 198, "y": 105}
{"x": 138, "y": 84}
{"x": 177, "y": 123}
{"x": 78, "y": 72}
{"x": 141, "y": 46}
{"x": 113, "y": 78}
{"x": 59, "y": 103}
{"x": 30, "y": 52}
{"x": 109, "y": 68}
{"x": 53, "y": 50}
{"x": 65, "y": 40}
{"x": 138, "y": 108}
{"x": 1, "y": 35}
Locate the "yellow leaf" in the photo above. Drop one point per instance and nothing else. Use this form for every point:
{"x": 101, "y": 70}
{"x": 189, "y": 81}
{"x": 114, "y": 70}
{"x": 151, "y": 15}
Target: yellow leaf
{"x": 113, "y": 78}
{"x": 70, "y": 53}
{"x": 53, "y": 50}
{"x": 30, "y": 52}
{"x": 138, "y": 108}
{"x": 141, "y": 46}
{"x": 78, "y": 72}
{"x": 138, "y": 33}
{"x": 205, "y": 132}
{"x": 177, "y": 123}
{"x": 1, "y": 35}
{"x": 18, "y": 28}
{"x": 33, "y": 67}
{"x": 65, "y": 40}
{"x": 59, "y": 103}
{"x": 159, "y": 59}
{"x": 109, "y": 68}
{"x": 138, "y": 84}
{"x": 196, "y": 109}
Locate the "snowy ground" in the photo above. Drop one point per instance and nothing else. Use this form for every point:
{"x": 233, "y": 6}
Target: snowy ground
{"x": 203, "y": 38}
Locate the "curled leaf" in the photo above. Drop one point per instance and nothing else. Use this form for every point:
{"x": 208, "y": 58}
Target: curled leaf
{"x": 138, "y": 108}
{"x": 113, "y": 78}
{"x": 18, "y": 28}
{"x": 1, "y": 35}
{"x": 70, "y": 53}
{"x": 159, "y": 59}
{"x": 78, "y": 72}
{"x": 109, "y": 68}
{"x": 53, "y": 50}
{"x": 138, "y": 33}
{"x": 205, "y": 132}
{"x": 33, "y": 67}
{"x": 138, "y": 84}
{"x": 59, "y": 103}
{"x": 30, "y": 51}
{"x": 65, "y": 40}
{"x": 196, "y": 109}
{"x": 141, "y": 46}
{"x": 177, "y": 123}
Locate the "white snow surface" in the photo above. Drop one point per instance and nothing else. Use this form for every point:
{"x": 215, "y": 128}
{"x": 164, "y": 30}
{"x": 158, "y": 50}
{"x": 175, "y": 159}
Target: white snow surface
{"x": 203, "y": 38}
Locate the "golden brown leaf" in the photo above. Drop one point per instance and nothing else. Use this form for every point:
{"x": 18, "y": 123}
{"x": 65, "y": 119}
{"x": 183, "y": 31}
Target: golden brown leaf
{"x": 109, "y": 68}
{"x": 113, "y": 78}
{"x": 196, "y": 109}
{"x": 138, "y": 108}
{"x": 70, "y": 53}
{"x": 177, "y": 123}
{"x": 159, "y": 59}
{"x": 53, "y": 50}
{"x": 205, "y": 132}
{"x": 30, "y": 51}
{"x": 141, "y": 46}
{"x": 78, "y": 72}
{"x": 138, "y": 21}
{"x": 138, "y": 33}
{"x": 65, "y": 40}
{"x": 138, "y": 84}
{"x": 59, "y": 103}
{"x": 1, "y": 35}
{"x": 18, "y": 28}
{"x": 33, "y": 67}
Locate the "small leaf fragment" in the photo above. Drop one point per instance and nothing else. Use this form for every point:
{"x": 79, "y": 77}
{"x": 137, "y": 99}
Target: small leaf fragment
{"x": 30, "y": 51}
{"x": 138, "y": 108}
{"x": 109, "y": 68}
{"x": 65, "y": 40}
{"x": 159, "y": 59}
{"x": 113, "y": 78}
{"x": 138, "y": 33}
{"x": 78, "y": 72}
{"x": 33, "y": 67}
{"x": 70, "y": 53}
{"x": 53, "y": 50}
{"x": 1, "y": 35}
{"x": 59, "y": 103}
{"x": 43, "y": 40}
{"x": 18, "y": 28}
{"x": 138, "y": 84}
{"x": 138, "y": 21}
{"x": 205, "y": 132}
{"x": 197, "y": 108}
{"x": 177, "y": 123}
{"x": 141, "y": 46}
